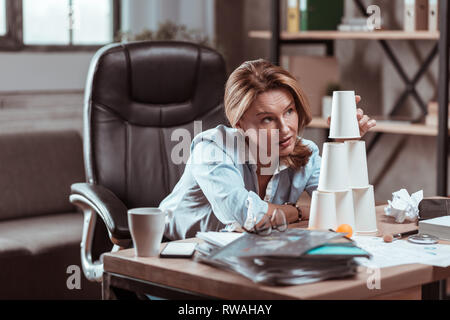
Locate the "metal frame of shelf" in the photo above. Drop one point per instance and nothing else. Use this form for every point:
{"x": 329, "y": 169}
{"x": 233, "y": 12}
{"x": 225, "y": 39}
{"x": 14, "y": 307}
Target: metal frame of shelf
{"x": 440, "y": 50}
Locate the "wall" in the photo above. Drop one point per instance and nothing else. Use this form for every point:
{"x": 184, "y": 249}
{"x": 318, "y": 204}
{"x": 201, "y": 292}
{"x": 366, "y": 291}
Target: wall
{"x": 36, "y": 71}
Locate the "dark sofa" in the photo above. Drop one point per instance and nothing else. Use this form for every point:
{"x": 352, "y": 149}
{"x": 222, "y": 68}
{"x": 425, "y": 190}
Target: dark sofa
{"x": 40, "y": 230}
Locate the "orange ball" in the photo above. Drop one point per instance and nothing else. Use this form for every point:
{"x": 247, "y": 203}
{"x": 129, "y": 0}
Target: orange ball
{"x": 345, "y": 228}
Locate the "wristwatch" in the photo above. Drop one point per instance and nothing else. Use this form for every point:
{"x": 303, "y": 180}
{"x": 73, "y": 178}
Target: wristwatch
{"x": 296, "y": 207}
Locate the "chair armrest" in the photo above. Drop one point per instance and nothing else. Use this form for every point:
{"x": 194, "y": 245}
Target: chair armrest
{"x": 106, "y": 204}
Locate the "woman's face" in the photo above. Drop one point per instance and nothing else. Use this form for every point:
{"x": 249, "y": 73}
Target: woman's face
{"x": 273, "y": 110}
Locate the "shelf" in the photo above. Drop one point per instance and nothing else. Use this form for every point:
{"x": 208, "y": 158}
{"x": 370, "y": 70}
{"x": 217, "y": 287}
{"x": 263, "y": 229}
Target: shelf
{"x": 396, "y": 127}
{"x": 349, "y": 35}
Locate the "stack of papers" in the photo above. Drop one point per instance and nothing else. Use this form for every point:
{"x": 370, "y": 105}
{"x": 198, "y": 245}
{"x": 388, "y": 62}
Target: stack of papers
{"x": 283, "y": 258}
{"x": 400, "y": 252}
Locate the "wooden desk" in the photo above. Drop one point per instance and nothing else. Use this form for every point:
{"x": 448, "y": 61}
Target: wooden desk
{"x": 182, "y": 278}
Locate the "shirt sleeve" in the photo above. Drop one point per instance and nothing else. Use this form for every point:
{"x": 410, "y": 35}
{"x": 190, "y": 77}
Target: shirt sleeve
{"x": 223, "y": 186}
{"x": 313, "y": 169}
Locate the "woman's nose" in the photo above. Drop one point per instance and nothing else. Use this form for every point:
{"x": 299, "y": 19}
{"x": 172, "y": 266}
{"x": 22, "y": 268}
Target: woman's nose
{"x": 284, "y": 128}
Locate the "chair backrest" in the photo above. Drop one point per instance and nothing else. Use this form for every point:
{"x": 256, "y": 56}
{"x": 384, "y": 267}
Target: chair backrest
{"x": 136, "y": 95}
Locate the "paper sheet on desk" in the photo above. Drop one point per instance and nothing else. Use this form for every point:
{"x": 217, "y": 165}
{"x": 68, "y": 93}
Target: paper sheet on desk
{"x": 220, "y": 239}
{"x": 401, "y": 252}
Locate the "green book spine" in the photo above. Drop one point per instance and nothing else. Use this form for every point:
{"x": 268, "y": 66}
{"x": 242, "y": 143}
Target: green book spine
{"x": 320, "y": 14}
{"x": 303, "y": 15}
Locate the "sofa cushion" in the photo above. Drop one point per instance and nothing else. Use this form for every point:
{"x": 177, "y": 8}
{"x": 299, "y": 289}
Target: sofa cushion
{"x": 37, "y": 235}
{"x": 35, "y": 254}
{"x": 12, "y": 248}
{"x": 36, "y": 172}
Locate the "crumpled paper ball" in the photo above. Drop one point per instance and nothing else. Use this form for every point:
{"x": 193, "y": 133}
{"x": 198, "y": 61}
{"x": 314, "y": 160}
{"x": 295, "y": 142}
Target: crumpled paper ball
{"x": 403, "y": 206}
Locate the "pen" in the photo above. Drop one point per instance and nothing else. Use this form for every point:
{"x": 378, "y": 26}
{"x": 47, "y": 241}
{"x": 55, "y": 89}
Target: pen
{"x": 404, "y": 234}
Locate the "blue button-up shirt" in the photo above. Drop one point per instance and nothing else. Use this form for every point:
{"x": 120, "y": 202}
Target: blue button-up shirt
{"x": 219, "y": 186}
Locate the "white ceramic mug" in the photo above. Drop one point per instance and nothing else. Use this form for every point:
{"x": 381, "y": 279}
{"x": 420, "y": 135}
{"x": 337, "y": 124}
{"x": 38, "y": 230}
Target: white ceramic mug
{"x": 147, "y": 228}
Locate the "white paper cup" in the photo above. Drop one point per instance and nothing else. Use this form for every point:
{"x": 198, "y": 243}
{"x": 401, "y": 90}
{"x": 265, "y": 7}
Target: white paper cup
{"x": 344, "y": 124}
{"x": 334, "y": 168}
{"x": 365, "y": 214}
{"x": 357, "y": 164}
{"x": 146, "y": 228}
{"x": 323, "y": 211}
{"x": 345, "y": 213}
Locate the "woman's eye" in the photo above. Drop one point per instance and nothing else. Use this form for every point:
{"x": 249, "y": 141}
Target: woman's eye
{"x": 290, "y": 110}
{"x": 267, "y": 119}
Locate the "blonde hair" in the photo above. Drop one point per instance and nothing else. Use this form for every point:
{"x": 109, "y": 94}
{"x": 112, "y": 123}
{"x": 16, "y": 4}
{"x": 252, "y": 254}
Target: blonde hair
{"x": 255, "y": 77}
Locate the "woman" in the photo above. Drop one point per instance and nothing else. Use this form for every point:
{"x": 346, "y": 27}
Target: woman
{"x": 229, "y": 184}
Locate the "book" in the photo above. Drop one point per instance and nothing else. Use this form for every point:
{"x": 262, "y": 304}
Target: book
{"x": 320, "y": 14}
{"x": 415, "y": 15}
{"x": 438, "y": 227}
{"x": 293, "y": 16}
{"x": 433, "y": 15}
{"x": 291, "y": 243}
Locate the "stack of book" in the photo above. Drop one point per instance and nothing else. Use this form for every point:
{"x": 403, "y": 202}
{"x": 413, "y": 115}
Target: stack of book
{"x": 303, "y": 15}
{"x": 354, "y": 24}
{"x": 292, "y": 257}
{"x": 421, "y": 15}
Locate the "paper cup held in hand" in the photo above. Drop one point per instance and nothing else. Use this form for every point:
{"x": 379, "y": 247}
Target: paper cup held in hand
{"x": 334, "y": 168}
{"x": 344, "y": 124}
{"x": 323, "y": 211}
{"x": 345, "y": 213}
{"x": 357, "y": 164}
{"x": 365, "y": 214}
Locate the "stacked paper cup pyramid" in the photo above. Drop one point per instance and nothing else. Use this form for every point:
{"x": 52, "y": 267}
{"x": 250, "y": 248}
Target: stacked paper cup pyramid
{"x": 344, "y": 195}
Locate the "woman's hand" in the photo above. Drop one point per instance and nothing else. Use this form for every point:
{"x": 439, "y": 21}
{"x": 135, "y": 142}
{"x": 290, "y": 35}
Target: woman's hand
{"x": 364, "y": 121}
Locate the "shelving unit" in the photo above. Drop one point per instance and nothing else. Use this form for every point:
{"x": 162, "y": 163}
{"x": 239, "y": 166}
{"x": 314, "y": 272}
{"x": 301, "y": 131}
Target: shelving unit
{"x": 441, "y": 49}
{"x": 278, "y": 38}
{"x": 348, "y": 35}
{"x": 394, "y": 127}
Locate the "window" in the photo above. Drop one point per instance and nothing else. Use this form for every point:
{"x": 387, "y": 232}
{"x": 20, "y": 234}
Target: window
{"x": 45, "y": 22}
{"x": 59, "y": 24}
{"x": 93, "y": 24}
{"x": 2, "y": 17}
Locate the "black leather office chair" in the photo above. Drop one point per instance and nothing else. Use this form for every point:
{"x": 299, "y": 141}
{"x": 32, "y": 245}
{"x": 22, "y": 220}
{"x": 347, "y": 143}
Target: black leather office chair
{"x": 136, "y": 95}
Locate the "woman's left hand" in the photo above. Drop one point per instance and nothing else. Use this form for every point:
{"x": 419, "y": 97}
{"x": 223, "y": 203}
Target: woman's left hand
{"x": 364, "y": 121}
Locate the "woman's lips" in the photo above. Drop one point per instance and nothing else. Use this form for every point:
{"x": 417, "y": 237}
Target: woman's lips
{"x": 286, "y": 143}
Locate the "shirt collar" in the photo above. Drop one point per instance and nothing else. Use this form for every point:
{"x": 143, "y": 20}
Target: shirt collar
{"x": 280, "y": 167}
